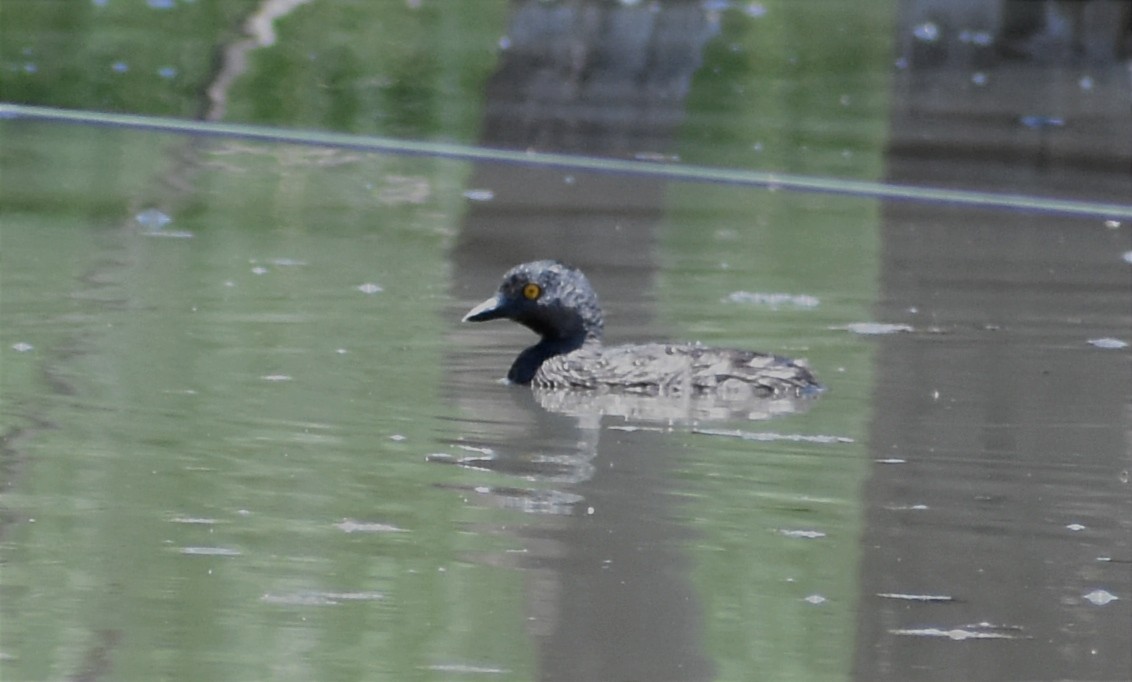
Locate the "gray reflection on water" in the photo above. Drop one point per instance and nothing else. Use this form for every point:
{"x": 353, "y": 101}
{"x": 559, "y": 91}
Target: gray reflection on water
{"x": 1011, "y": 432}
{"x": 687, "y": 410}
{"x": 603, "y": 555}
{"x": 609, "y": 593}
{"x": 1011, "y": 435}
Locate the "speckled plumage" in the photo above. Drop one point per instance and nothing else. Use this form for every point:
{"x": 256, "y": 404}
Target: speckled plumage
{"x": 567, "y": 317}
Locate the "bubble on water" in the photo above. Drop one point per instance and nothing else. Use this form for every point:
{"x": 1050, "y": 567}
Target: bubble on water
{"x": 927, "y": 32}
{"x": 816, "y": 599}
{"x": 979, "y": 78}
{"x": 161, "y": 4}
{"x": 370, "y": 288}
{"x": 1127, "y": 256}
{"x": 152, "y": 219}
{"x": 1075, "y": 527}
{"x": 30, "y": 67}
{"x": 167, "y": 72}
{"x": 22, "y": 347}
{"x": 120, "y": 67}
{"x": 1085, "y": 83}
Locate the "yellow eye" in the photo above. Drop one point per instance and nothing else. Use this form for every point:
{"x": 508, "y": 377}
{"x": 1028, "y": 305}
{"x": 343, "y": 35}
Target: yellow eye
{"x": 532, "y": 291}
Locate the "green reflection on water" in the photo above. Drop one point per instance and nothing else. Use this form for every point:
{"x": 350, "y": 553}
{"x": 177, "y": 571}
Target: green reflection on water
{"x": 772, "y": 100}
{"x": 772, "y": 96}
{"x": 193, "y": 410}
{"x": 187, "y": 434}
{"x": 751, "y": 495}
{"x": 114, "y": 55}
{"x": 371, "y": 67}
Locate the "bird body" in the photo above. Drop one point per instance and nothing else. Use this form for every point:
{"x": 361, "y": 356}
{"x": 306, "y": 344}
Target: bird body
{"x": 674, "y": 369}
{"x": 557, "y": 302}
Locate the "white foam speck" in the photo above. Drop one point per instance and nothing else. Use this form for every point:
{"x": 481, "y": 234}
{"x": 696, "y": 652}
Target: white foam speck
{"x": 916, "y": 597}
{"x": 352, "y": 526}
{"x": 874, "y": 328}
{"x": 1108, "y": 343}
{"x": 479, "y": 195}
{"x": 954, "y": 633}
{"x": 772, "y": 300}
{"x": 152, "y": 219}
{"x": 1101, "y": 597}
{"x": 805, "y": 534}
{"x": 927, "y": 32}
{"x": 210, "y": 551}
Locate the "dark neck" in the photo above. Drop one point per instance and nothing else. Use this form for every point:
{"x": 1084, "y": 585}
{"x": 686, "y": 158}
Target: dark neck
{"x": 525, "y": 367}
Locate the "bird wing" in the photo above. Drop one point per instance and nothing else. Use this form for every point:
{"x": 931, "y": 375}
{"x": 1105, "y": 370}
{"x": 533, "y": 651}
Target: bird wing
{"x": 675, "y": 369}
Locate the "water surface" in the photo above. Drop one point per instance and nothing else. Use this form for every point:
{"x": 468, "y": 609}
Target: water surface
{"x": 244, "y": 434}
